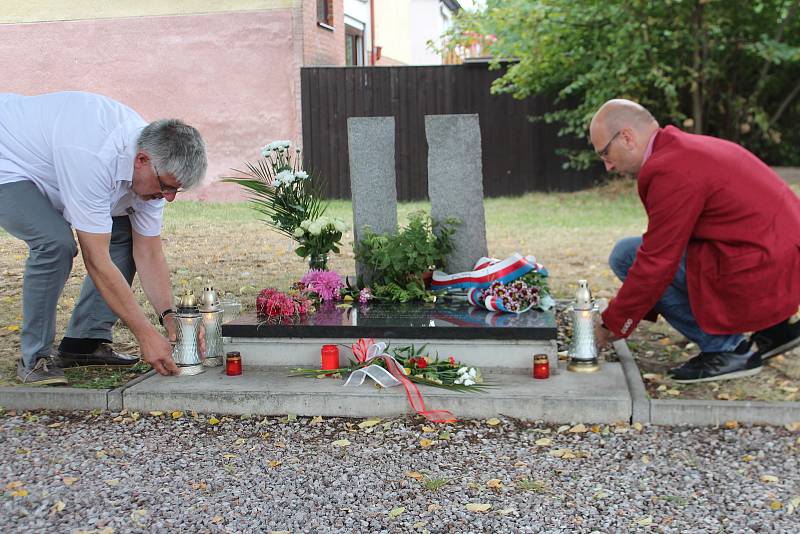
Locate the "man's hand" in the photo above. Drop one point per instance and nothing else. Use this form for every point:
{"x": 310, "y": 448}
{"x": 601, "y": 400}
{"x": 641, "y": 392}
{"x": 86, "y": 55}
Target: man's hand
{"x": 157, "y": 351}
{"x": 602, "y": 336}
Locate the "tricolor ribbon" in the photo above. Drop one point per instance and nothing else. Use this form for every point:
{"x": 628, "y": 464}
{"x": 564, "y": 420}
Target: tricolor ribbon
{"x": 366, "y": 351}
{"x": 487, "y": 270}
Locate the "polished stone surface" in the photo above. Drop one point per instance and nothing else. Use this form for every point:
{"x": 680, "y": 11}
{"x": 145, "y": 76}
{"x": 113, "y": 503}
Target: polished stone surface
{"x": 443, "y": 320}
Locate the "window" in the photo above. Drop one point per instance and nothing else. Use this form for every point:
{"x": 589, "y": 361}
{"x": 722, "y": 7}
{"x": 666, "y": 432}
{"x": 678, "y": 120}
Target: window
{"x": 325, "y": 13}
{"x": 353, "y": 45}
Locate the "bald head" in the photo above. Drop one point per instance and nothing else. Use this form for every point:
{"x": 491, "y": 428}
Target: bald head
{"x": 620, "y": 132}
{"x": 619, "y": 113}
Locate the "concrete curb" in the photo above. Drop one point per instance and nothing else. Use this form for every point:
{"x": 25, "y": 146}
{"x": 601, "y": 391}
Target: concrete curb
{"x": 53, "y": 398}
{"x": 640, "y": 401}
{"x": 115, "y": 403}
{"x": 716, "y": 412}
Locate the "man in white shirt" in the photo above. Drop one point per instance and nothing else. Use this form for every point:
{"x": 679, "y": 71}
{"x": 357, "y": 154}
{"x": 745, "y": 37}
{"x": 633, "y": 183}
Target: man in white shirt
{"x": 83, "y": 161}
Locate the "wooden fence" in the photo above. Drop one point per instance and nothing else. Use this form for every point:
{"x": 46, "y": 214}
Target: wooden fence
{"x": 518, "y": 155}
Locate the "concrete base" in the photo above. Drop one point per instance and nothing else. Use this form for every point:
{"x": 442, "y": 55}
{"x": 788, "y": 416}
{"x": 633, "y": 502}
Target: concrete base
{"x": 600, "y": 397}
{"x": 487, "y": 354}
{"x": 53, "y": 398}
{"x": 716, "y": 412}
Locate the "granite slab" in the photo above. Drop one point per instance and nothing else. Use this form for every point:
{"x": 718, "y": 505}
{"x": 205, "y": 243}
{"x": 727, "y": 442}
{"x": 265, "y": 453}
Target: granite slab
{"x": 452, "y": 320}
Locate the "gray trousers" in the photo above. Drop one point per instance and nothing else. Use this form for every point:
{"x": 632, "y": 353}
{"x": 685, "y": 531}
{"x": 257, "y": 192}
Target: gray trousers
{"x": 26, "y": 214}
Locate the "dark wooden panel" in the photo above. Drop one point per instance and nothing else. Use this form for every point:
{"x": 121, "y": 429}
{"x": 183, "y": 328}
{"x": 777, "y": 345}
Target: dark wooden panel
{"x": 518, "y": 155}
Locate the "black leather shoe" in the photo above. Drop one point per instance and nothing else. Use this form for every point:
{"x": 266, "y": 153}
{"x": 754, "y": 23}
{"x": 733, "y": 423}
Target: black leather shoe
{"x": 102, "y": 355}
{"x": 711, "y": 366}
{"x": 777, "y": 339}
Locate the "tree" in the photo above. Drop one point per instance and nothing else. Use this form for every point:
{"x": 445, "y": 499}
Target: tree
{"x": 729, "y": 68}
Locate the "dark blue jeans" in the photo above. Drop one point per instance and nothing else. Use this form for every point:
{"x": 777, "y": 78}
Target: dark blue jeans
{"x": 674, "y": 303}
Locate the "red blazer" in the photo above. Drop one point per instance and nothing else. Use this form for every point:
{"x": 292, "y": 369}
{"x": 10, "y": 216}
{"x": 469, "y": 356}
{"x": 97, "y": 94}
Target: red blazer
{"x": 739, "y": 224}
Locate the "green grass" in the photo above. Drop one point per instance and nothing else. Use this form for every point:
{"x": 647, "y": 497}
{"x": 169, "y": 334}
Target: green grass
{"x": 103, "y": 377}
{"x": 536, "y": 486}
{"x": 607, "y": 207}
{"x": 433, "y": 484}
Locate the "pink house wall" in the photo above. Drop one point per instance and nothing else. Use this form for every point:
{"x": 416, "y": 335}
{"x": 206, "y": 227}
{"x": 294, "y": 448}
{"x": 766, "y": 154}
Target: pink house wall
{"x": 234, "y": 76}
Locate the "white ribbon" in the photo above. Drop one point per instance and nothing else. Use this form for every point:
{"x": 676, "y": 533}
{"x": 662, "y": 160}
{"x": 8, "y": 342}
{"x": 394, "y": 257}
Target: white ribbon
{"x": 375, "y": 372}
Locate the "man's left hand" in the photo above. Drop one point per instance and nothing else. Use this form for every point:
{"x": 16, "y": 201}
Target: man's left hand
{"x": 603, "y": 336}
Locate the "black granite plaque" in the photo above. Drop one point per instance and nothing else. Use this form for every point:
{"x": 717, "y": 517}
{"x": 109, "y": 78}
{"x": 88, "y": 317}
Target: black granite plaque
{"x": 443, "y": 320}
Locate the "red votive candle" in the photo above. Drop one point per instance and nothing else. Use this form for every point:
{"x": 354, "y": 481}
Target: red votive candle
{"x": 330, "y": 357}
{"x": 541, "y": 366}
{"x": 233, "y": 364}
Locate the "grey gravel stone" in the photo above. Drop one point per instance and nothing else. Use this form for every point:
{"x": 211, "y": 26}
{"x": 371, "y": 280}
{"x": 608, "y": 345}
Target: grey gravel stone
{"x": 156, "y": 474}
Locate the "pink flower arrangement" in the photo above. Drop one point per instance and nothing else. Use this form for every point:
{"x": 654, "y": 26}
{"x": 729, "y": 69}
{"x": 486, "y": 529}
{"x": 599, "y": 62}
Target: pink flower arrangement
{"x": 327, "y": 285}
{"x": 275, "y": 304}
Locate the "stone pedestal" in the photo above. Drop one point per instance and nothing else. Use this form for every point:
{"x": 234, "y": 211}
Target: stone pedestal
{"x": 455, "y": 184}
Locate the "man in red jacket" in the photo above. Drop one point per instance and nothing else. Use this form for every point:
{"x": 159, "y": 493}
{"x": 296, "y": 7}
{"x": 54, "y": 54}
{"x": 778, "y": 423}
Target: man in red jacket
{"x": 721, "y": 254}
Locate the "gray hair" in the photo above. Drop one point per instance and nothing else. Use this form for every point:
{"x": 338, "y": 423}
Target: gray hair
{"x": 177, "y": 148}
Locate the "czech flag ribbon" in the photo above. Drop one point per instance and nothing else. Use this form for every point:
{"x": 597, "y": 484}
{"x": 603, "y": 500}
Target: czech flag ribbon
{"x": 487, "y": 270}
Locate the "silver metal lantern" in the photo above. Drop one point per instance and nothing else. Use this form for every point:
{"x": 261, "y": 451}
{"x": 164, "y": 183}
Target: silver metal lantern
{"x": 211, "y": 312}
{"x": 583, "y": 350}
{"x": 186, "y": 352}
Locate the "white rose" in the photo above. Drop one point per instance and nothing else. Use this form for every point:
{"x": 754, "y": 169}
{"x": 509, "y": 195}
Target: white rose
{"x": 315, "y": 228}
{"x": 265, "y": 150}
{"x": 339, "y": 225}
{"x": 305, "y": 224}
{"x": 299, "y": 232}
{"x": 301, "y": 175}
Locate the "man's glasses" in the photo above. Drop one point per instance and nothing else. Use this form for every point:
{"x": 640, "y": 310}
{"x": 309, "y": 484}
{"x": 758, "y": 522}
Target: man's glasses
{"x": 166, "y": 189}
{"x": 604, "y": 153}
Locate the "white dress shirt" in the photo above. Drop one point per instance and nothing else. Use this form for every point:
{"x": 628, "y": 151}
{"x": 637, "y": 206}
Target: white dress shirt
{"x": 78, "y": 149}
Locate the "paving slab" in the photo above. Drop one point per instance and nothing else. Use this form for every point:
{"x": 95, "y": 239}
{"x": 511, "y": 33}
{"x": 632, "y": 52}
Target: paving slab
{"x": 717, "y": 412}
{"x": 566, "y": 397}
{"x": 53, "y": 398}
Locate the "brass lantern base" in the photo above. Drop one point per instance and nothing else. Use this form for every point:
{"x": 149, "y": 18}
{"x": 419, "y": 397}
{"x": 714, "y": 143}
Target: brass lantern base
{"x": 189, "y": 370}
{"x": 583, "y": 366}
{"x": 213, "y": 361}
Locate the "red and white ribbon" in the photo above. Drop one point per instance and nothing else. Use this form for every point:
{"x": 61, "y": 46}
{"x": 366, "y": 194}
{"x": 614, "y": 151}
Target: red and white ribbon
{"x": 367, "y": 351}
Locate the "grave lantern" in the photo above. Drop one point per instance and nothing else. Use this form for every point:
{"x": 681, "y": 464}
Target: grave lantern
{"x": 583, "y": 351}
{"x": 186, "y": 352}
{"x": 211, "y": 311}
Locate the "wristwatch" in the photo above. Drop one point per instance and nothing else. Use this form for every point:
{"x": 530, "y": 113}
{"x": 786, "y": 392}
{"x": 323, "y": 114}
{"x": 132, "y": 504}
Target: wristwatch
{"x": 163, "y": 314}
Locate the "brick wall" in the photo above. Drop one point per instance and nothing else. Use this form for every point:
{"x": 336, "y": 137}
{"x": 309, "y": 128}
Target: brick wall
{"x": 321, "y": 45}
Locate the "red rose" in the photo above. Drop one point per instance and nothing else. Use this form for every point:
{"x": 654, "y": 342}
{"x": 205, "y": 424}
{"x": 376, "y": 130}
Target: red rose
{"x": 422, "y": 363}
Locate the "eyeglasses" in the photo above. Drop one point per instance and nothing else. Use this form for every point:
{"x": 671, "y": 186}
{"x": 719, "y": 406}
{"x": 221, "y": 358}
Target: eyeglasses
{"x": 166, "y": 189}
{"x": 604, "y": 153}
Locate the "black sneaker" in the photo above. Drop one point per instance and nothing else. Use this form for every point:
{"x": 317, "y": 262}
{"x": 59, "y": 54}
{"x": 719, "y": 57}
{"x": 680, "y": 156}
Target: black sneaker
{"x": 44, "y": 373}
{"x": 103, "y": 355}
{"x": 711, "y": 366}
{"x": 777, "y": 339}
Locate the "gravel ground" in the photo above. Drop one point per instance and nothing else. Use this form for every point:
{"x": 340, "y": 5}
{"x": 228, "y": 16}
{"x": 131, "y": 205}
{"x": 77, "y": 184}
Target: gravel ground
{"x": 191, "y": 473}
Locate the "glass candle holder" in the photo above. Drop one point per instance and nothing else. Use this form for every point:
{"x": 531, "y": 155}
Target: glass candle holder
{"x": 233, "y": 364}
{"x": 541, "y": 366}
{"x": 330, "y": 357}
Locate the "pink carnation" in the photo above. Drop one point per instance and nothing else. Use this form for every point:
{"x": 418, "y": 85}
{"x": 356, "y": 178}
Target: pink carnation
{"x": 326, "y": 284}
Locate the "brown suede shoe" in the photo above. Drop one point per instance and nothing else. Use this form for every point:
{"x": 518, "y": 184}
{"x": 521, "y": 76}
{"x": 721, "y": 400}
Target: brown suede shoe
{"x": 44, "y": 373}
{"x": 102, "y": 355}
